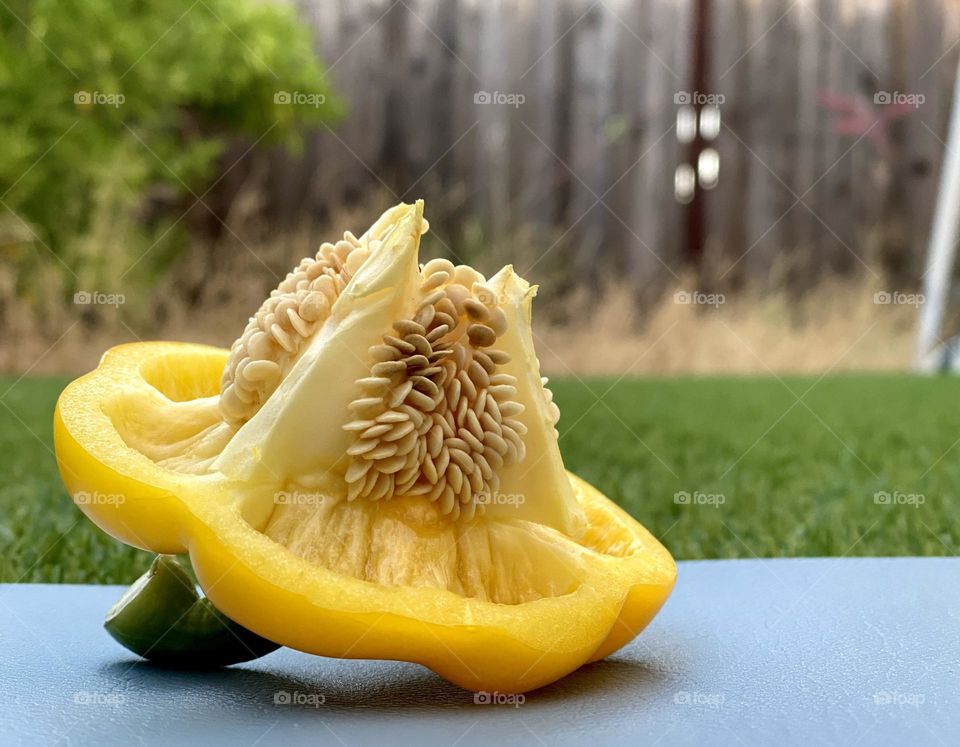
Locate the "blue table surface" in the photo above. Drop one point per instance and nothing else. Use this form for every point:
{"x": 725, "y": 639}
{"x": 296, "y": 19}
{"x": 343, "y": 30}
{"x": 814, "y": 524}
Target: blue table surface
{"x": 746, "y": 652}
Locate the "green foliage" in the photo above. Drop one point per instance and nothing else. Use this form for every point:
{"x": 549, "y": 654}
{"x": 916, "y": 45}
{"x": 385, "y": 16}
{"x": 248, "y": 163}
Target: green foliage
{"x": 795, "y": 481}
{"x": 104, "y": 102}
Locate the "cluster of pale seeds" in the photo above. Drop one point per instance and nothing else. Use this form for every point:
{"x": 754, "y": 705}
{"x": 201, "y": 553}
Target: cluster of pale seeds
{"x": 436, "y": 418}
{"x": 552, "y": 408}
{"x": 262, "y": 356}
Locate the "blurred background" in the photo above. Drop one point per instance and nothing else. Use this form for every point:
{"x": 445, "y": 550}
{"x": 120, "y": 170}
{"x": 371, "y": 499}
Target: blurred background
{"x": 716, "y": 168}
{"x": 726, "y": 203}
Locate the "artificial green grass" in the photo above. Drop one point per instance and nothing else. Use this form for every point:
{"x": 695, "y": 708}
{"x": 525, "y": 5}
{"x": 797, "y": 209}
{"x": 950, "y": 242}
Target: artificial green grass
{"x": 796, "y": 478}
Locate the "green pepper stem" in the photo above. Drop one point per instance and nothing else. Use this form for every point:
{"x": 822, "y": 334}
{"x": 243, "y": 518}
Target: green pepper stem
{"x": 162, "y": 618}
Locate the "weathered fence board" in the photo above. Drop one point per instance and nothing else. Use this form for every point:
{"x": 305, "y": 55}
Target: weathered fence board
{"x": 586, "y": 145}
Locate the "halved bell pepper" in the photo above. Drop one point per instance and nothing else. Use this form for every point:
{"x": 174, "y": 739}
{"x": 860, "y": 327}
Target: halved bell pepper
{"x": 504, "y": 587}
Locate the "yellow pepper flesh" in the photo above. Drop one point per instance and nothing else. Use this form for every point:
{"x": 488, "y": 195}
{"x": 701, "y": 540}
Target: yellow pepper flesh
{"x": 625, "y": 575}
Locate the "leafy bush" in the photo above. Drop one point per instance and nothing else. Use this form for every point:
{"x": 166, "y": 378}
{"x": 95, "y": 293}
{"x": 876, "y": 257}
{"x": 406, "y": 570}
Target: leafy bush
{"x": 104, "y": 101}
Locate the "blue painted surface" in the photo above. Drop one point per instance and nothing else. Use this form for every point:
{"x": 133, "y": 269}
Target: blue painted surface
{"x": 754, "y": 652}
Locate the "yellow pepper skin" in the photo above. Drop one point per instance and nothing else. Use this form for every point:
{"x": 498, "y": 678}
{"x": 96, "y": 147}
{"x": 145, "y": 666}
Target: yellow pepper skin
{"x": 624, "y": 574}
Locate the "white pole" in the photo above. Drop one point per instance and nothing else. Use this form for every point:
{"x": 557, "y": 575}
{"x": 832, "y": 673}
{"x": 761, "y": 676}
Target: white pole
{"x": 943, "y": 243}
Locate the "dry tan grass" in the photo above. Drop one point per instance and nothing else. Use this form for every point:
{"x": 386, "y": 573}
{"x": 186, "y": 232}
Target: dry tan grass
{"x": 835, "y": 327}
{"x": 211, "y": 291}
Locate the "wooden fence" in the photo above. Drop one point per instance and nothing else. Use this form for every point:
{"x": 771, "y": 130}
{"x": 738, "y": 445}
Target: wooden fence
{"x": 563, "y": 113}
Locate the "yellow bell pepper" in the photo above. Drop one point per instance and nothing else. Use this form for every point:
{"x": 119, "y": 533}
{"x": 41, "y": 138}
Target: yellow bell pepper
{"x": 508, "y": 600}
